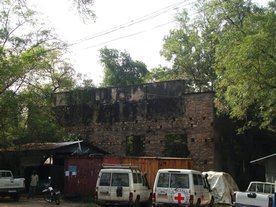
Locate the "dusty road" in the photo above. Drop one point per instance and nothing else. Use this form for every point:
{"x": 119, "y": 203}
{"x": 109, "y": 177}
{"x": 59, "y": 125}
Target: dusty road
{"x": 39, "y": 202}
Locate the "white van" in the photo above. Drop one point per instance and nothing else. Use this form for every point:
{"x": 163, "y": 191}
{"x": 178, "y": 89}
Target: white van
{"x": 181, "y": 187}
{"x": 122, "y": 185}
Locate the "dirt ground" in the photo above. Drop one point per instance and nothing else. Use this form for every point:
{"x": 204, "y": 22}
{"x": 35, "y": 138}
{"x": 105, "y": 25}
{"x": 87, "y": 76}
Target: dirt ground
{"x": 39, "y": 202}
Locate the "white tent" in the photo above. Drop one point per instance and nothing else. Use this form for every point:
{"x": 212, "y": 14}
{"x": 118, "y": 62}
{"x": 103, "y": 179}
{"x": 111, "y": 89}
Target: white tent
{"x": 222, "y": 185}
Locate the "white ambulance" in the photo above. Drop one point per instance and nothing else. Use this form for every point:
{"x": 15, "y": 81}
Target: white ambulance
{"x": 122, "y": 185}
{"x": 181, "y": 187}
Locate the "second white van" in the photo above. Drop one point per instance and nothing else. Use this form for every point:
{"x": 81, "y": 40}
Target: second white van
{"x": 181, "y": 187}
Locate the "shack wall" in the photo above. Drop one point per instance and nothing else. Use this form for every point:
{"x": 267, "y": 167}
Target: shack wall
{"x": 81, "y": 175}
{"x": 151, "y": 165}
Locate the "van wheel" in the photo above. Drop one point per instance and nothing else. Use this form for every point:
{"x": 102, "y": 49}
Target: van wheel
{"x": 137, "y": 202}
{"x": 198, "y": 203}
{"x": 15, "y": 197}
{"x": 147, "y": 203}
{"x": 211, "y": 204}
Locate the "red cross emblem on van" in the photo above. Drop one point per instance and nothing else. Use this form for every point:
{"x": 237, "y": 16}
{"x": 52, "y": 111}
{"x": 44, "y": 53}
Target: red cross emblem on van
{"x": 179, "y": 198}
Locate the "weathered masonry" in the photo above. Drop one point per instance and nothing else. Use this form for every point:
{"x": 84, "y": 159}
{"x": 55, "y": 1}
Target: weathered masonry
{"x": 157, "y": 119}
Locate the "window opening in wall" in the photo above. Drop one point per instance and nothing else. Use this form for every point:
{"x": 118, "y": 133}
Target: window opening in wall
{"x": 135, "y": 145}
{"x": 49, "y": 161}
{"x": 176, "y": 145}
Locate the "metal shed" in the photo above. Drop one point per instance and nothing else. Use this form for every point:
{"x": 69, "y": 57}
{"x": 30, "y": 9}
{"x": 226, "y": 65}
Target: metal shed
{"x": 81, "y": 172}
{"x": 48, "y": 159}
{"x": 81, "y": 175}
{"x": 270, "y": 166}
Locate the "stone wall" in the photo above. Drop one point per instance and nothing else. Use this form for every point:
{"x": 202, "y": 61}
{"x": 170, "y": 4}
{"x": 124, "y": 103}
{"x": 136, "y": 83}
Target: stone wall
{"x": 107, "y": 116}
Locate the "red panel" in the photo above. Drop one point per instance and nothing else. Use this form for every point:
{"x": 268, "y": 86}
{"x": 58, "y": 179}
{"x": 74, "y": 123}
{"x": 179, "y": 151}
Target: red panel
{"x": 112, "y": 159}
{"x": 82, "y": 172}
{"x": 81, "y": 175}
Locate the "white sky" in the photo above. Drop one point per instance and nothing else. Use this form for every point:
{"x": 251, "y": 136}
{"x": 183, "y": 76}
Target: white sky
{"x": 144, "y": 46}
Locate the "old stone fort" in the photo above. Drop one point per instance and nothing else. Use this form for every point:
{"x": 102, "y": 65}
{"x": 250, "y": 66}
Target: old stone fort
{"x": 159, "y": 119}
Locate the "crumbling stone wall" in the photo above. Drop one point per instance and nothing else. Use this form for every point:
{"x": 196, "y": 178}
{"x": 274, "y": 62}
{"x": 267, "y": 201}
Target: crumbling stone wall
{"x": 106, "y": 116}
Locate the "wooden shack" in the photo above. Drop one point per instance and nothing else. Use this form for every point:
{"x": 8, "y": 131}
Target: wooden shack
{"x": 81, "y": 173}
{"x": 151, "y": 165}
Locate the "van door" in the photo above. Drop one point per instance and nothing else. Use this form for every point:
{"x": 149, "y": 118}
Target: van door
{"x": 104, "y": 192}
{"x": 139, "y": 187}
{"x": 180, "y": 188}
{"x": 120, "y": 186}
{"x": 173, "y": 188}
{"x": 162, "y": 192}
{"x": 200, "y": 188}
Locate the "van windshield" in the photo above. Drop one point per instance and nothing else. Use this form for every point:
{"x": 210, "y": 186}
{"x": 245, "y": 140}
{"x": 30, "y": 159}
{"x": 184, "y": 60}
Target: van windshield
{"x": 173, "y": 180}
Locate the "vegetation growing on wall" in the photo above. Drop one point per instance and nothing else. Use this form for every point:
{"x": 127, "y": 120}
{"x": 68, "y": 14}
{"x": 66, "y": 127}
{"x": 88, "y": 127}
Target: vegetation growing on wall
{"x": 176, "y": 145}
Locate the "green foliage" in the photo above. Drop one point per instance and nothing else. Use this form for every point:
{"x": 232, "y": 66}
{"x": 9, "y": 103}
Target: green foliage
{"x": 161, "y": 74}
{"x": 191, "y": 50}
{"x": 32, "y": 67}
{"x": 84, "y": 8}
{"x": 84, "y": 82}
{"x": 9, "y": 118}
{"x": 135, "y": 145}
{"x": 246, "y": 62}
{"x": 229, "y": 46}
{"x": 176, "y": 146}
{"x": 39, "y": 118}
{"x": 120, "y": 69}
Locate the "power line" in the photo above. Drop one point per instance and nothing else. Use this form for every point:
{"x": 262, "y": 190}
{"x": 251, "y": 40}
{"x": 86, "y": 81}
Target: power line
{"x": 133, "y": 22}
{"x": 139, "y": 32}
{"x": 130, "y": 35}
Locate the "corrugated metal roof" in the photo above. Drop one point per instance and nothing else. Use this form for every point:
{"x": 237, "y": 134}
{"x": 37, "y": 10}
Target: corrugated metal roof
{"x": 263, "y": 158}
{"x": 41, "y": 146}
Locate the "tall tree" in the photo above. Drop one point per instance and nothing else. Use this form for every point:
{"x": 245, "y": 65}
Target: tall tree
{"x": 83, "y": 7}
{"x": 229, "y": 45}
{"x": 120, "y": 69}
{"x": 246, "y": 61}
{"x": 161, "y": 74}
{"x": 191, "y": 49}
{"x": 31, "y": 68}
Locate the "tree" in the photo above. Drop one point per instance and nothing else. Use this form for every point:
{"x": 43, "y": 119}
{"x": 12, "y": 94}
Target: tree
{"x": 191, "y": 49}
{"x": 246, "y": 62}
{"x": 160, "y": 74}
{"x": 84, "y": 7}
{"x": 84, "y": 82}
{"x": 23, "y": 51}
{"x": 230, "y": 45}
{"x": 32, "y": 67}
{"x": 9, "y": 118}
{"x": 120, "y": 69}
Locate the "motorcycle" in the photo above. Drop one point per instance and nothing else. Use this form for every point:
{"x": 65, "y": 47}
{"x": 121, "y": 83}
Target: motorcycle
{"x": 50, "y": 194}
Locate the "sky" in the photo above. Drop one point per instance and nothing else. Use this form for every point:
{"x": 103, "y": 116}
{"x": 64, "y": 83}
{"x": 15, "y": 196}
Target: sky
{"x": 135, "y": 26}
